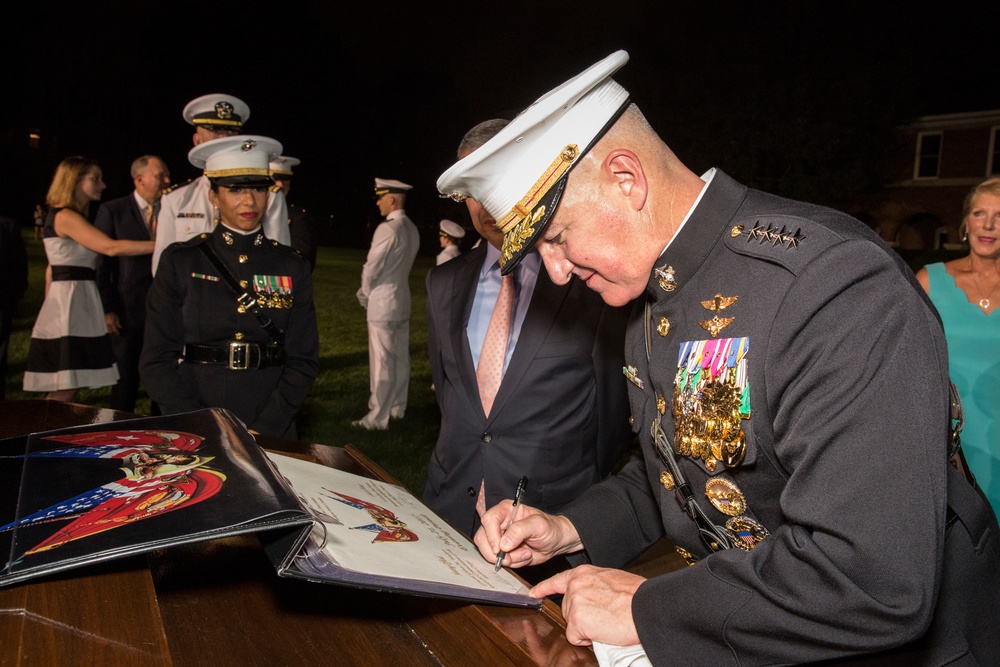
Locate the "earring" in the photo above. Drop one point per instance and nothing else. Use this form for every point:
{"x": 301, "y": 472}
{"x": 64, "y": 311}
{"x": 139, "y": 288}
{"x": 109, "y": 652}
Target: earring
{"x": 965, "y": 237}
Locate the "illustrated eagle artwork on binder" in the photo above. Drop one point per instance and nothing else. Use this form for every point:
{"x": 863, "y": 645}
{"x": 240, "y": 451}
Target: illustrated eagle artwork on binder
{"x": 387, "y": 527}
{"x": 162, "y": 473}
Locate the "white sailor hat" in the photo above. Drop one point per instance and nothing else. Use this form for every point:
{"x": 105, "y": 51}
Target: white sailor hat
{"x": 217, "y": 110}
{"x": 452, "y": 229}
{"x": 384, "y": 186}
{"x": 519, "y": 175}
{"x": 281, "y": 166}
{"x": 238, "y": 160}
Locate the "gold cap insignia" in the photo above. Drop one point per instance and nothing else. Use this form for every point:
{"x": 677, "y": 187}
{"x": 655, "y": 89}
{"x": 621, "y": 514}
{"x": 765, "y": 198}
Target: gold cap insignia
{"x": 224, "y": 110}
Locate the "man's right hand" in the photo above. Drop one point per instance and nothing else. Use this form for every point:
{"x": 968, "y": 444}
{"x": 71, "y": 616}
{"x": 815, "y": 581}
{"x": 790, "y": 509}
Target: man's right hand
{"x": 534, "y": 538}
{"x": 114, "y": 324}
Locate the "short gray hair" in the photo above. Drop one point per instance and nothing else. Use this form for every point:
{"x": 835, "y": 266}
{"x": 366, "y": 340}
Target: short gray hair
{"x": 140, "y": 163}
{"x": 479, "y": 135}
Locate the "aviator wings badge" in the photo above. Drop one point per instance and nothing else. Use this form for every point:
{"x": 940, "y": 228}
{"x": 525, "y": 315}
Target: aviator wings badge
{"x": 717, "y": 304}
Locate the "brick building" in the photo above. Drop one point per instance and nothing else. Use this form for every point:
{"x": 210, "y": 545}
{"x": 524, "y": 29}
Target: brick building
{"x": 934, "y": 163}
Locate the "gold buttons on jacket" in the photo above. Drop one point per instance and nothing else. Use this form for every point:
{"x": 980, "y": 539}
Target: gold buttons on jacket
{"x": 663, "y": 326}
{"x": 238, "y": 335}
{"x": 243, "y": 284}
{"x": 243, "y": 259}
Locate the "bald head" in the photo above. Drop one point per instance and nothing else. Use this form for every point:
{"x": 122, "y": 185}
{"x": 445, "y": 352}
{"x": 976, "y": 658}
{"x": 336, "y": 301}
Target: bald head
{"x": 624, "y": 201}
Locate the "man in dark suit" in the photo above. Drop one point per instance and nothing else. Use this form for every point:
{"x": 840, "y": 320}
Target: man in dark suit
{"x": 124, "y": 281}
{"x": 560, "y": 415}
{"x": 14, "y": 278}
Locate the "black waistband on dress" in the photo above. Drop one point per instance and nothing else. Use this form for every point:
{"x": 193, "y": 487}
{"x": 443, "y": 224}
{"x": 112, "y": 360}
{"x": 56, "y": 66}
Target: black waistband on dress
{"x": 73, "y": 273}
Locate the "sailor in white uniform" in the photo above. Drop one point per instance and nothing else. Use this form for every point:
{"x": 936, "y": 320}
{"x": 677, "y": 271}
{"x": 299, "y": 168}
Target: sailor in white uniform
{"x": 185, "y": 210}
{"x": 385, "y": 295}
{"x": 451, "y": 234}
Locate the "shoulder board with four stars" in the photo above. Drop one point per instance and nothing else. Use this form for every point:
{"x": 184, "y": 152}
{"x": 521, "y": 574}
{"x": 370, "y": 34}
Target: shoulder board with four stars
{"x": 787, "y": 240}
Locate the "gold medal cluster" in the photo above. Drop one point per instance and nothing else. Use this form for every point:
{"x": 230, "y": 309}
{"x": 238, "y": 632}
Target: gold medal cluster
{"x": 709, "y": 427}
{"x": 274, "y": 300}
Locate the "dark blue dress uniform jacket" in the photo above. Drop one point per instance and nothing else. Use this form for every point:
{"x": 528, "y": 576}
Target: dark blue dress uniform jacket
{"x": 189, "y": 303}
{"x": 876, "y": 545}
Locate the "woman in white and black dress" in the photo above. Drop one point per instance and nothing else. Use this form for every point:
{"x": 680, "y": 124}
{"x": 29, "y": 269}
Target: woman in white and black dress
{"x": 70, "y": 347}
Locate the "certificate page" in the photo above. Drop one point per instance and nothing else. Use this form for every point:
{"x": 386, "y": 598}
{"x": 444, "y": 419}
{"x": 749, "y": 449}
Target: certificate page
{"x": 382, "y": 531}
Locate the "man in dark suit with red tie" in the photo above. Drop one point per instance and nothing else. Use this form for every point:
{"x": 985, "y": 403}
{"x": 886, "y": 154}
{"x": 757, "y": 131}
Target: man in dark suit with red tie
{"x": 557, "y": 412}
{"x": 124, "y": 281}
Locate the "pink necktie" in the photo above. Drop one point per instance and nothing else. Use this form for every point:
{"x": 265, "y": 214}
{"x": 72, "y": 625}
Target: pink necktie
{"x": 489, "y": 373}
{"x": 151, "y": 221}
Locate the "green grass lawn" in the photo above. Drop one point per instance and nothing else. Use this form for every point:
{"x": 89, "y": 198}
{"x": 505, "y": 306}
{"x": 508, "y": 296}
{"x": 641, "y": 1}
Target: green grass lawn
{"x": 341, "y": 390}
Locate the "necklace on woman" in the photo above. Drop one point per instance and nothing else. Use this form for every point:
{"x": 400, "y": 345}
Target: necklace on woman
{"x": 984, "y": 302}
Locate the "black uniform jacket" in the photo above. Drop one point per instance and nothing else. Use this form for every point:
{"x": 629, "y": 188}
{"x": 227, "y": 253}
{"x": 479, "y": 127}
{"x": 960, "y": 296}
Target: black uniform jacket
{"x": 189, "y": 303}
{"x": 871, "y": 542}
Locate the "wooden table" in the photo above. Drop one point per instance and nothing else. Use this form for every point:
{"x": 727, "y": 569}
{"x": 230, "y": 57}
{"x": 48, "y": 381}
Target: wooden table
{"x": 221, "y": 603}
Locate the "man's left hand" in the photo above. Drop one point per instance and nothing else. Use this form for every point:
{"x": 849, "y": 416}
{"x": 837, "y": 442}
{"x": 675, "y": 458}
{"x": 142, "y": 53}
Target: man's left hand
{"x": 597, "y": 604}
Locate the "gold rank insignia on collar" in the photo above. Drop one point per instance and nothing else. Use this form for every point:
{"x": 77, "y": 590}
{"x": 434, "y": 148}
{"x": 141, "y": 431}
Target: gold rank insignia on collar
{"x": 717, "y": 304}
{"x": 665, "y": 275}
{"x": 770, "y": 234}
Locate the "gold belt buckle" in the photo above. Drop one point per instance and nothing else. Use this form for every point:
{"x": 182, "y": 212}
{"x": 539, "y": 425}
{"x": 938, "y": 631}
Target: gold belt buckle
{"x": 239, "y": 356}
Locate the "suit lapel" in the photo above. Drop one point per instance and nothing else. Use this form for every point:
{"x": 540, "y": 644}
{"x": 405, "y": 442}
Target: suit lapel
{"x": 463, "y": 292}
{"x": 546, "y": 302}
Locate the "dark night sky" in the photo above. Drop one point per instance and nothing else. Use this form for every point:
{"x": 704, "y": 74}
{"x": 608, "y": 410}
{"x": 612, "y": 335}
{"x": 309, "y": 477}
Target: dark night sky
{"x": 387, "y": 90}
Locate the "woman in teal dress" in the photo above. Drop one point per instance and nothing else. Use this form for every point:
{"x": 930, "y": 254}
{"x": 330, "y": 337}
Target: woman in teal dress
{"x": 966, "y": 292}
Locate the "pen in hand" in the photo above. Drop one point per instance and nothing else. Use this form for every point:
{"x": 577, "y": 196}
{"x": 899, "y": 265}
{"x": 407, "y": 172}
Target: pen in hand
{"x": 513, "y": 515}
